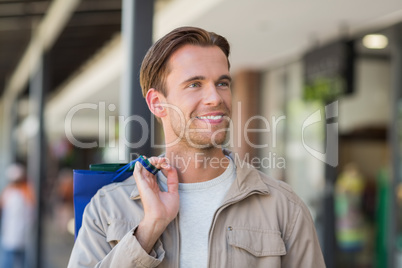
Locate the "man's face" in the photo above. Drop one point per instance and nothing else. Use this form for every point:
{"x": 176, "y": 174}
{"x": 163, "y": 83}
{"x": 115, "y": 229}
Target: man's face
{"x": 198, "y": 89}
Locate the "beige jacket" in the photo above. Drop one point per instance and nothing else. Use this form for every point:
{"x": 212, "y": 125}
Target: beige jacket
{"x": 261, "y": 223}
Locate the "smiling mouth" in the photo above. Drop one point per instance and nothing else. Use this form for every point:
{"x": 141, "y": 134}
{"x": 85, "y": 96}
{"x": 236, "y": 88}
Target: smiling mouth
{"x": 210, "y": 117}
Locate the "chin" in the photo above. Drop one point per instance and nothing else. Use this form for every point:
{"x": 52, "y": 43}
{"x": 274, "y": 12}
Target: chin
{"x": 208, "y": 142}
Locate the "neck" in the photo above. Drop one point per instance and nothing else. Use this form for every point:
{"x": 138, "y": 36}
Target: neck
{"x": 195, "y": 165}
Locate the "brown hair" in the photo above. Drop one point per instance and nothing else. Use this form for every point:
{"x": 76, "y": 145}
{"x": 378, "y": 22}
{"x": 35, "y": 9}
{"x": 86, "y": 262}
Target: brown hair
{"x": 154, "y": 68}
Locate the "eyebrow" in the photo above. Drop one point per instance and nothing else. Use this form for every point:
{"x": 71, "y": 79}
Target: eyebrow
{"x": 199, "y": 77}
{"x": 225, "y": 77}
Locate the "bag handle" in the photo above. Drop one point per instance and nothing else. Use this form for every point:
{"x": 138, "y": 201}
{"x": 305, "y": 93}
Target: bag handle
{"x": 146, "y": 164}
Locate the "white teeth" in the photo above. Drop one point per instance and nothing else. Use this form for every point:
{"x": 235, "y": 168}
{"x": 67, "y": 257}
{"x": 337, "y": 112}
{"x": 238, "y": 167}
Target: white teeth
{"x": 212, "y": 117}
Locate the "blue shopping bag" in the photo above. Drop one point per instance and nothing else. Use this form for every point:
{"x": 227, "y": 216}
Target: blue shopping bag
{"x": 88, "y": 182}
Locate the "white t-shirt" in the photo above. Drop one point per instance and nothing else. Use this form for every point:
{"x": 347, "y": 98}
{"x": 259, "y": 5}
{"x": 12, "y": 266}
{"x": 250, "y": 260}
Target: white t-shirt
{"x": 198, "y": 204}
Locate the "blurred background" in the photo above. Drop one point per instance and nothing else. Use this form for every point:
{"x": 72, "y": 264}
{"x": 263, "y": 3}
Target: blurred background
{"x": 317, "y": 103}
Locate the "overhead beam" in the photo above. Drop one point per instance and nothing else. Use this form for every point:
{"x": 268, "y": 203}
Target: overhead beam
{"x": 80, "y": 12}
{"x": 43, "y": 38}
{"x": 21, "y": 2}
{"x": 103, "y": 69}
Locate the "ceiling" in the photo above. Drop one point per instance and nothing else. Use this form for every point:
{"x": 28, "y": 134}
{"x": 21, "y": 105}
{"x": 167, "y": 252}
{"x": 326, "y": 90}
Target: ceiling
{"x": 265, "y": 32}
{"x": 92, "y": 24}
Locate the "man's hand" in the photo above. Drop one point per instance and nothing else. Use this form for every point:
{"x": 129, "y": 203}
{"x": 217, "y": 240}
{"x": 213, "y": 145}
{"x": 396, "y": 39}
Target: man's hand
{"x": 160, "y": 208}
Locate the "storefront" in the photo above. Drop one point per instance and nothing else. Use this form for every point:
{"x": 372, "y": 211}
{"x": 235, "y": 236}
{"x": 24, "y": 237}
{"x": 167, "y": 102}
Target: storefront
{"x": 342, "y": 151}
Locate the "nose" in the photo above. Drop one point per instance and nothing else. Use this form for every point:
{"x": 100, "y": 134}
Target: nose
{"x": 212, "y": 96}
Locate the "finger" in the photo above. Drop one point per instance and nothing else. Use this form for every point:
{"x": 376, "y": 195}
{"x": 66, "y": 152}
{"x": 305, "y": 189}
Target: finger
{"x": 157, "y": 161}
{"x": 137, "y": 172}
{"x": 138, "y": 177}
{"x": 149, "y": 170}
{"x": 141, "y": 174}
{"x": 172, "y": 179}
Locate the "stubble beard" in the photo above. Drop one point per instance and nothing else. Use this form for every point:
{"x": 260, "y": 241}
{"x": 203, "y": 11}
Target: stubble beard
{"x": 201, "y": 140}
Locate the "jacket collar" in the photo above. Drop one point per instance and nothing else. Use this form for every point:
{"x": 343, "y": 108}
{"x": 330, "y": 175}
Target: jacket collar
{"x": 248, "y": 180}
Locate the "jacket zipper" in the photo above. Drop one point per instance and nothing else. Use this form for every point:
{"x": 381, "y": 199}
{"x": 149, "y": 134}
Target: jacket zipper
{"x": 178, "y": 241}
{"x": 220, "y": 209}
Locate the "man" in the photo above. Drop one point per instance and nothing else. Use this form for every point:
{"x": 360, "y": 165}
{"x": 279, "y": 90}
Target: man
{"x": 202, "y": 209}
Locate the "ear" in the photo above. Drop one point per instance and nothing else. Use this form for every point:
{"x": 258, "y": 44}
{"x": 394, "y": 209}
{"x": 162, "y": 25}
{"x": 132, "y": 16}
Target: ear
{"x": 155, "y": 102}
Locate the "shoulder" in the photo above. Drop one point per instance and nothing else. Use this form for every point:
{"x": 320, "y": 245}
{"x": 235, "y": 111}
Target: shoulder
{"x": 248, "y": 177}
{"x": 280, "y": 187}
{"x": 270, "y": 201}
{"x": 278, "y": 191}
{"x": 285, "y": 194}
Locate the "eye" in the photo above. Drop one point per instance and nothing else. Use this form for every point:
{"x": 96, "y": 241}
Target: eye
{"x": 192, "y": 85}
{"x": 223, "y": 84}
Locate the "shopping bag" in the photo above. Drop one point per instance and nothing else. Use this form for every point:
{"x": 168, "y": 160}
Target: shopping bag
{"x": 88, "y": 182}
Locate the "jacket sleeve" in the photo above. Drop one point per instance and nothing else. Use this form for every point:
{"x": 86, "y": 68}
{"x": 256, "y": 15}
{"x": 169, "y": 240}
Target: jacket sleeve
{"x": 302, "y": 246}
{"x": 91, "y": 249}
